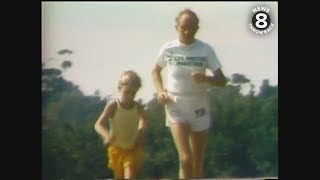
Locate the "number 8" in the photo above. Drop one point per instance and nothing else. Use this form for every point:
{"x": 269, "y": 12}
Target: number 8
{"x": 261, "y": 20}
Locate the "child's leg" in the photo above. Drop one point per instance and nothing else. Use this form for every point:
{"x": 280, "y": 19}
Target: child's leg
{"x": 129, "y": 172}
{"x": 198, "y": 142}
{"x": 115, "y": 155}
{"x": 117, "y": 176}
{"x": 132, "y": 162}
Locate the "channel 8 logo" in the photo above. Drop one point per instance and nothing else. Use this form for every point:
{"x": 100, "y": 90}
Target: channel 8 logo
{"x": 261, "y": 21}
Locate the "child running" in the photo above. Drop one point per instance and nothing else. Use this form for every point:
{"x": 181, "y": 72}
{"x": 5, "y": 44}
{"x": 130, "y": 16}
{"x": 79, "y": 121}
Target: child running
{"x": 127, "y": 122}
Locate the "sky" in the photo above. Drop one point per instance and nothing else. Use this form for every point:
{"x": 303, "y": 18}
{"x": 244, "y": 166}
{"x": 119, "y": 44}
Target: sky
{"x": 109, "y": 37}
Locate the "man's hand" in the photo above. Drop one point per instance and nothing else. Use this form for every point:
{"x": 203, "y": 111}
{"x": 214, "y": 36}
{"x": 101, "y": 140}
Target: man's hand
{"x": 199, "y": 77}
{"x": 164, "y": 98}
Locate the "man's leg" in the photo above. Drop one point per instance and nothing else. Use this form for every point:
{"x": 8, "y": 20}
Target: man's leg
{"x": 180, "y": 133}
{"x": 198, "y": 142}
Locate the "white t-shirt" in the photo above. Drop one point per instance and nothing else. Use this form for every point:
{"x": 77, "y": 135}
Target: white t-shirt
{"x": 181, "y": 60}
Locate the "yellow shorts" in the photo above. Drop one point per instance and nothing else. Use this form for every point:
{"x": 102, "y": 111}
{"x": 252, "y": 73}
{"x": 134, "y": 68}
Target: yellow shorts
{"x": 120, "y": 158}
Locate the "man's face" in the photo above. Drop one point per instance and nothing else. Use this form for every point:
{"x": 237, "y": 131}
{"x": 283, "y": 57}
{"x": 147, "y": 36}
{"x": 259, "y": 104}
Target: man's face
{"x": 187, "y": 28}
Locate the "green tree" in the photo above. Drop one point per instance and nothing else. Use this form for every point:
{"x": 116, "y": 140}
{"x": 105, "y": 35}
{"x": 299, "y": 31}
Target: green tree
{"x": 243, "y": 140}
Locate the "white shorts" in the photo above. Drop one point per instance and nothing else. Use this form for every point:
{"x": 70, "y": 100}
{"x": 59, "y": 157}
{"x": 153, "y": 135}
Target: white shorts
{"x": 192, "y": 110}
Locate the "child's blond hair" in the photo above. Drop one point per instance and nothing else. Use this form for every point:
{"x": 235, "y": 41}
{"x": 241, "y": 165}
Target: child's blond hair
{"x": 129, "y": 78}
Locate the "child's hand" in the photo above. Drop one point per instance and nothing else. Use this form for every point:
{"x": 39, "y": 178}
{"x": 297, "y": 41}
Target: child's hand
{"x": 108, "y": 140}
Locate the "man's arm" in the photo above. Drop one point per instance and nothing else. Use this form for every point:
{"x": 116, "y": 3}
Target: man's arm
{"x": 163, "y": 97}
{"x": 218, "y": 78}
{"x": 157, "y": 79}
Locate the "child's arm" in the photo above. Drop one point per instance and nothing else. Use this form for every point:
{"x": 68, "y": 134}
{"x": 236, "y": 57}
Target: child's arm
{"x": 100, "y": 125}
{"x": 143, "y": 123}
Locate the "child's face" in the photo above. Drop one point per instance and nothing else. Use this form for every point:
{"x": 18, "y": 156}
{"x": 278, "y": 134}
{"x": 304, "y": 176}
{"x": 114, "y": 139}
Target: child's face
{"x": 127, "y": 93}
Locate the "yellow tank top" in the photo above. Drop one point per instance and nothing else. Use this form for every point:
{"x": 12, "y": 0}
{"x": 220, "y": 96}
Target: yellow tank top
{"x": 124, "y": 126}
